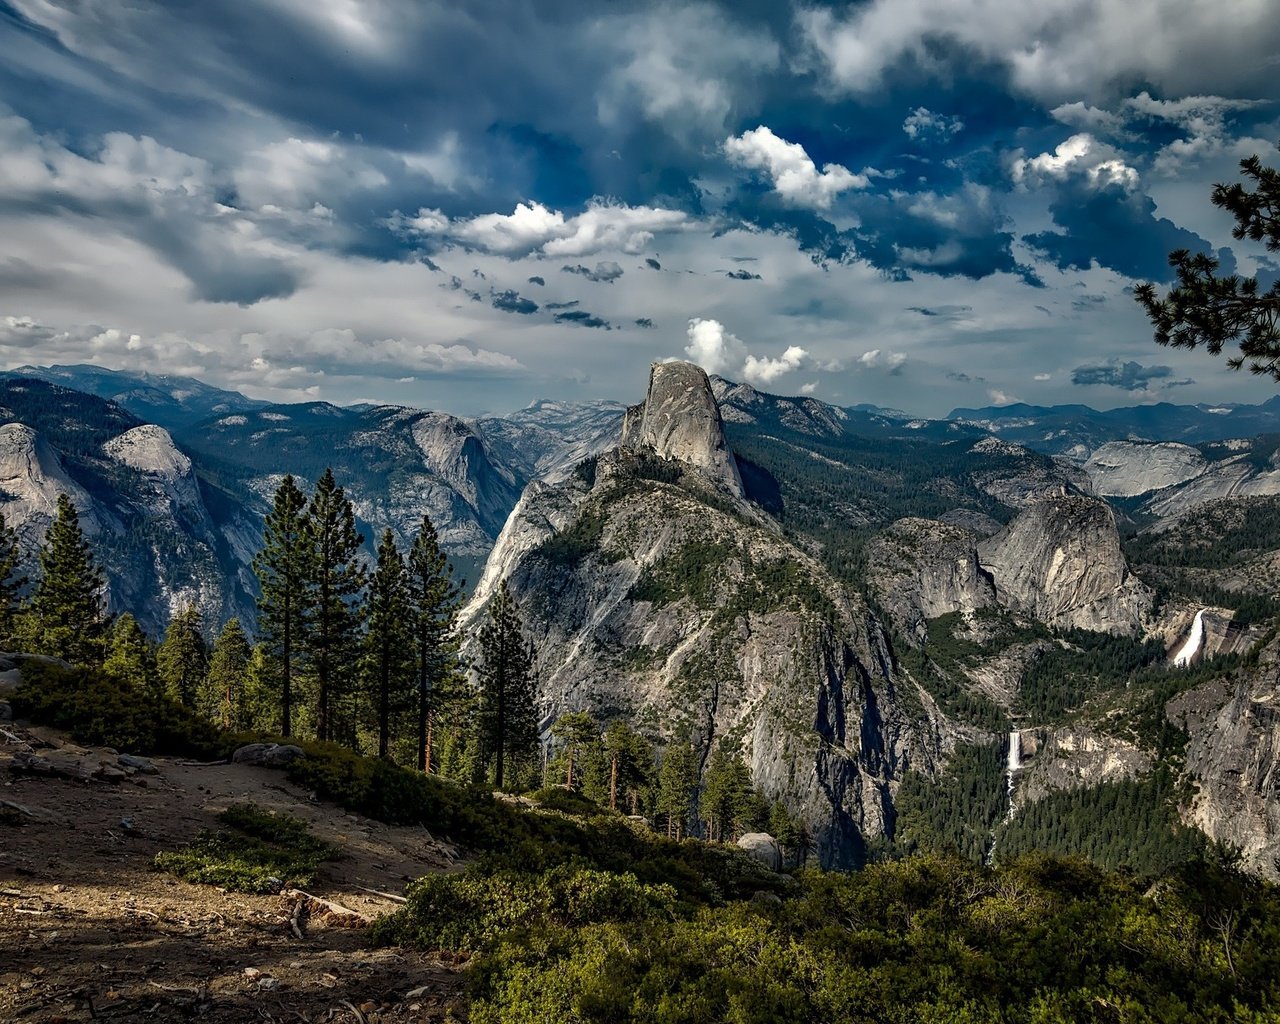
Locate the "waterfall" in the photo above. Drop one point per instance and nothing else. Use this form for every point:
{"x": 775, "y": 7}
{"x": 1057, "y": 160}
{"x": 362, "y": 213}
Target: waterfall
{"x": 1014, "y": 763}
{"x": 1192, "y": 647}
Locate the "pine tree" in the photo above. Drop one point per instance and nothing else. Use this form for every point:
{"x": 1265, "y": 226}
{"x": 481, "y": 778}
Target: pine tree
{"x": 130, "y": 655}
{"x": 282, "y": 568}
{"x": 389, "y": 661}
{"x": 183, "y": 658}
{"x": 677, "y": 782}
{"x": 224, "y": 697}
{"x": 11, "y": 583}
{"x": 67, "y": 607}
{"x": 434, "y": 600}
{"x": 334, "y": 585}
{"x": 630, "y": 765}
{"x": 728, "y": 799}
{"x": 577, "y": 731}
{"x": 508, "y": 712}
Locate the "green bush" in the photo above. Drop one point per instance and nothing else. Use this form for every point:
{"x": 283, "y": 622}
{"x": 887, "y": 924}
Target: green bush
{"x": 474, "y": 909}
{"x": 100, "y": 710}
{"x": 257, "y": 851}
{"x": 557, "y": 798}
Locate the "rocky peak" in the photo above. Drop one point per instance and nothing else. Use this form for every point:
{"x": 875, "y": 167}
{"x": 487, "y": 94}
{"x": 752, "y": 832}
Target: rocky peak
{"x": 1060, "y": 561}
{"x": 679, "y": 419}
{"x": 31, "y": 478}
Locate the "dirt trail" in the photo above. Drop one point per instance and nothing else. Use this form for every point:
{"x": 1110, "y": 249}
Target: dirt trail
{"x": 89, "y": 931}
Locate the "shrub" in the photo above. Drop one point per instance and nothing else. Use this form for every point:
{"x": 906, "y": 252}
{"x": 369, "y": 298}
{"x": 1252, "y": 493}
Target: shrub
{"x": 257, "y": 851}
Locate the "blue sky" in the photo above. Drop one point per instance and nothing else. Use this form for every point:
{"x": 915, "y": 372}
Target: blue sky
{"x": 916, "y": 203}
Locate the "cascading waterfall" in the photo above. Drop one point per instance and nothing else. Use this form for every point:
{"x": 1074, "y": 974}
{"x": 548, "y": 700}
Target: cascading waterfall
{"x": 1013, "y": 765}
{"x": 1192, "y": 647}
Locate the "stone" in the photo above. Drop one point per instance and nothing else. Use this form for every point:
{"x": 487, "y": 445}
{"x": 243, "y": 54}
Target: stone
{"x": 268, "y": 755}
{"x": 763, "y": 848}
{"x": 138, "y": 764}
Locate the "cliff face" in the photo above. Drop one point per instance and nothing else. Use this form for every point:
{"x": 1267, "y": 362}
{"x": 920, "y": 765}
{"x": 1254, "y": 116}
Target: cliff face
{"x": 1060, "y": 561}
{"x": 652, "y": 603}
{"x": 679, "y": 419}
{"x": 1233, "y": 757}
{"x": 922, "y": 568}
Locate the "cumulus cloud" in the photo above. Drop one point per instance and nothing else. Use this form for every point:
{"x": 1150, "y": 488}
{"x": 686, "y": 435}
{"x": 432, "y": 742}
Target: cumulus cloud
{"x": 532, "y": 227}
{"x": 922, "y": 125}
{"x": 1079, "y": 156}
{"x": 1055, "y": 50}
{"x": 718, "y": 351}
{"x": 876, "y": 358}
{"x": 790, "y": 169}
{"x": 1128, "y": 376}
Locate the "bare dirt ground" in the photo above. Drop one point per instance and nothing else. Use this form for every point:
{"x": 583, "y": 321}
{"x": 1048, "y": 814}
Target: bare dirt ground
{"x": 90, "y": 931}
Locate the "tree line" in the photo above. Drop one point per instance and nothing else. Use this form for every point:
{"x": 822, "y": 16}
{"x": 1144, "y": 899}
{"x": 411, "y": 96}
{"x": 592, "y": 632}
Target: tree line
{"x": 369, "y": 657}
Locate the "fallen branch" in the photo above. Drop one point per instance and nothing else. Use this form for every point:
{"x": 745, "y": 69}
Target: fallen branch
{"x": 359, "y": 1016}
{"x": 384, "y": 895}
{"x": 327, "y": 911}
{"x": 295, "y": 921}
{"x": 202, "y": 764}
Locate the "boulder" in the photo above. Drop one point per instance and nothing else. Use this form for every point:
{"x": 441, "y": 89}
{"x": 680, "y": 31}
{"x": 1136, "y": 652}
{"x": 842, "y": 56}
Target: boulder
{"x": 762, "y": 847}
{"x": 137, "y": 764}
{"x": 268, "y": 755}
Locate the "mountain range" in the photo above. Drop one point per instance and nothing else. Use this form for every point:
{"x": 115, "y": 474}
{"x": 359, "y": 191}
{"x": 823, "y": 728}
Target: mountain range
{"x": 1032, "y": 605}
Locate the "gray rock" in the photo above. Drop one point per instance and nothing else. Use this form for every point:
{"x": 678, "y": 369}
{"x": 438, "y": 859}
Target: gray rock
{"x": 138, "y": 764}
{"x": 6, "y": 712}
{"x": 762, "y": 847}
{"x": 679, "y": 419}
{"x": 1060, "y": 561}
{"x": 268, "y": 755}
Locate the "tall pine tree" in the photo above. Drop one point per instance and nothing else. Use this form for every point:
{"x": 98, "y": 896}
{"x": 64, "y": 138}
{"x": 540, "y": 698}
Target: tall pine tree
{"x": 508, "y": 702}
{"x": 67, "y": 607}
{"x": 677, "y": 783}
{"x": 389, "y": 661}
{"x": 225, "y": 694}
{"x": 283, "y": 567}
{"x": 183, "y": 658}
{"x": 11, "y": 583}
{"x": 334, "y": 586}
{"x": 130, "y": 655}
{"x": 434, "y": 599}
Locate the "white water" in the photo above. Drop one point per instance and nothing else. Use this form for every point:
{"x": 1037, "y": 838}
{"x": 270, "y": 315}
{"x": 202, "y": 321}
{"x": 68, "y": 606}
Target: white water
{"x": 1192, "y": 647}
{"x": 1014, "y": 763}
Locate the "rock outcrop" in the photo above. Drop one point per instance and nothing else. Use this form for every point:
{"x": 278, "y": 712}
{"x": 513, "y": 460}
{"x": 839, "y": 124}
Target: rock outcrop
{"x": 1233, "y": 757}
{"x": 149, "y": 451}
{"x": 1125, "y": 469}
{"x": 763, "y": 848}
{"x": 31, "y": 478}
{"x": 679, "y": 419}
{"x": 1060, "y": 561}
{"x": 922, "y": 568}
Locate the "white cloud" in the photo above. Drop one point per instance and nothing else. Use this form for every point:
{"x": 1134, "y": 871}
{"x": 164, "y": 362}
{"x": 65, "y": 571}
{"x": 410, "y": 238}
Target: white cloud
{"x": 1054, "y": 50}
{"x": 766, "y": 371}
{"x": 876, "y": 358}
{"x": 1080, "y": 155}
{"x": 791, "y": 171}
{"x": 1202, "y": 118}
{"x": 717, "y": 351}
{"x": 1043, "y": 376}
{"x": 809, "y": 388}
{"x": 999, "y": 397}
{"x": 532, "y": 227}
{"x": 922, "y": 123}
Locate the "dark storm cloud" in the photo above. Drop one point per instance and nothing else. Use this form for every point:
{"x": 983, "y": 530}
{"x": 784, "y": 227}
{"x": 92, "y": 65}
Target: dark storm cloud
{"x": 604, "y": 273}
{"x": 511, "y": 302}
{"x": 1128, "y": 376}
{"x": 1117, "y": 228}
{"x": 537, "y": 280}
{"x": 581, "y": 318}
{"x": 742, "y": 275}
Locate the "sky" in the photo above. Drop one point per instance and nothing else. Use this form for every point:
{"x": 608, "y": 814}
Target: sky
{"x": 920, "y": 204}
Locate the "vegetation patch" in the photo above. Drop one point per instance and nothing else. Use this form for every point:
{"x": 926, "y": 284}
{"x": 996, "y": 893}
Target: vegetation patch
{"x": 256, "y": 851}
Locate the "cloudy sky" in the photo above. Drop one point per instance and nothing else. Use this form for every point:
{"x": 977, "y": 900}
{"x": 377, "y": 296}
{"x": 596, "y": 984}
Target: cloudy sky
{"x": 916, "y": 203}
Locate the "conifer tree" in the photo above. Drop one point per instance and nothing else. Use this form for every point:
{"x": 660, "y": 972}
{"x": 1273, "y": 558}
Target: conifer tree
{"x": 224, "y": 697}
{"x": 631, "y": 765}
{"x": 334, "y": 585}
{"x": 508, "y": 711}
{"x": 282, "y": 567}
{"x": 130, "y": 656}
{"x": 11, "y": 583}
{"x": 66, "y": 608}
{"x": 677, "y": 782}
{"x": 577, "y": 731}
{"x": 434, "y": 599}
{"x": 389, "y": 661}
{"x": 728, "y": 799}
{"x": 183, "y": 658}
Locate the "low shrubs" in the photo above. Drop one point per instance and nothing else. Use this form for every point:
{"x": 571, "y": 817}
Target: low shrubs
{"x": 101, "y": 710}
{"x": 256, "y": 851}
